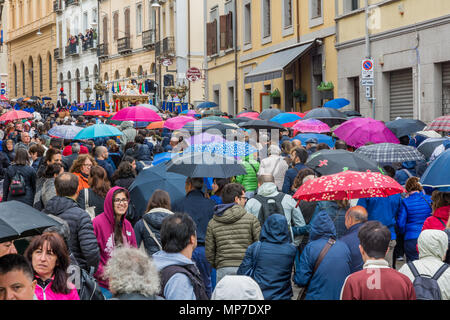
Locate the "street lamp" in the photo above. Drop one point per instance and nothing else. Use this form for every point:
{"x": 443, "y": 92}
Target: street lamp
{"x": 155, "y": 3}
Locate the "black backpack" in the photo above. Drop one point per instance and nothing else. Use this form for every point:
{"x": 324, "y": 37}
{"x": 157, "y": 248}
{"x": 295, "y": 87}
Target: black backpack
{"x": 17, "y": 185}
{"x": 88, "y": 288}
{"x": 269, "y": 206}
{"x": 426, "y": 287}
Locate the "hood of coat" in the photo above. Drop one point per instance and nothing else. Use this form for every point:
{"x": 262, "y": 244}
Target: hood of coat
{"x": 236, "y": 287}
{"x": 268, "y": 189}
{"x": 322, "y": 226}
{"x": 108, "y": 208}
{"x": 442, "y": 212}
{"x": 275, "y": 230}
{"x": 221, "y": 208}
{"x": 164, "y": 259}
{"x": 432, "y": 243}
{"x": 58, "y": 205}
{"x": 125, "y": 125}
{"x": 156, "y": 216}
{"x": 230, "y": 215}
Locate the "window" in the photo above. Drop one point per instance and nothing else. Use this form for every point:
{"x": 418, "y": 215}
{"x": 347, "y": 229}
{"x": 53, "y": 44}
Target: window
{"x": 316, "y": 8}
{"x": 116, "y": 25}
{"x": 266, "y": 17}
{"x": 351, "y": 5}
{"x": 248, "y": 99}
{"x": 23, "y": 78}
{"x": 127, "y": 22}
{"x": 94, "y": 16}
{"x": 217, "y": 96}
{"x": 15, "y": 80}
{"x": 105, "y": 30}
{"x": 85, "y": 21}
{"x": 247, "y": 23}
{"x": 315, "y": 13}
{"x": 139, "y": 19}
{"x": 287, "y": 14}
{"x": 226, "y": 31}
{"x": 50, "y": 72}
{"x": 41, "y": 85}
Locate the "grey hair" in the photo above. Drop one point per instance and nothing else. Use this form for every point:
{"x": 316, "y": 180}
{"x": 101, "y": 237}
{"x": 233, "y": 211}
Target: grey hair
{"x": 130, "y": 270}
{"x": 76, "y": 148}
{"x": 274, "y": 150}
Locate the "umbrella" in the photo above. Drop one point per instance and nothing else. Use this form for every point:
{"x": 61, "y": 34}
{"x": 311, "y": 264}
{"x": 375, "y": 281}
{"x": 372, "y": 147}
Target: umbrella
{"x": 162, "y": 157}
{"x": 261, "y": 124}
{"x": 205, "y": 138}
{"x": 357, "y": 132}
{"x": 390, "y": 152}
{"x": 15, "y": 115}
{"x": 213, "y": 112}
{"x": 3, "y": 98}
{"x": 177, "y": 123}
{"x": 137, "y": 113}
{"x": 268, "y": 114}
{"x": 348, "y": 185}
{"x": 150, "y": 106}
{"x": 98, "y": 131}
{"x": 77, "y": 113}
{"x": 300, "y": 114}
{"x": 222, "y": 128}
{"x": 328, "y": 115}
{"x": 96, "y": 113}
{"x": 337, "y": 103}
{"x": 46, "y": 98}
{"x": 283, "y": 118}
{"x": 200, "y": 165}
{"x": 156, "y": 125}
{"x": 240, "y": 120}
{"x": 153, "y": 178}
{"x": 35, "y": 98}
{"x": 429, "y": 134}
{"x": 352, "y": 113}
{"x": 404, "y": 127}
{"x": 18, "y": 220}
{"x": 228, "y": 148}
{"x": 311, "y": 125}
{"x": 440, "y": 124}
{"x": 251, "y": 115}
{"x": 207, "y": 104}
{"x": 190, "y": 113}
{"x": 199, "y": 125}
{"x": 321, "y": 138}
{"x": 65, "y": 132}
{"x": 328, "y": 162}
{"x": 428, "y": 146}
{"x": 20, "y": 100}
{"x": 436, "y": 176}
{"x": 220, "y": 119}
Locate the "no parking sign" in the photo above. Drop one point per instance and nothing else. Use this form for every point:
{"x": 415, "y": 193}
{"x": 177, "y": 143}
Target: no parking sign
{"x": 367, "y": 69}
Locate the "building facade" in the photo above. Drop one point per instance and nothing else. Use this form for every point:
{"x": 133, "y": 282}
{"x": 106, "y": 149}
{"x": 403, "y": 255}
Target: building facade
{"x": 3, "y": 47}
{"x": 76, "y": 47}
{"x": 407, "y": 41}
{"x": 31, "y": 40}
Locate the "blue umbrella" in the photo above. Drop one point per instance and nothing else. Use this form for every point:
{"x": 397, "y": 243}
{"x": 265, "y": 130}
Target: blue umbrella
{"x": 283, "y": 118}
{"x": 98, "y": 131}
{"x": 162, "y": 157}
{"x": 321, "y": 138}
{"x": 229, "y": 149}
{"x": 152, "y": 179}
{"x": 337, "y": 103}
{"x": 207, "y": 104}
{"x": 65, "y": 132}
{"x": 437, "y": 174}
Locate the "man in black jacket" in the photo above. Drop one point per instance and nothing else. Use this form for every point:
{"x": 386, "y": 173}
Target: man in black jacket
{"x": 82, "y": 242}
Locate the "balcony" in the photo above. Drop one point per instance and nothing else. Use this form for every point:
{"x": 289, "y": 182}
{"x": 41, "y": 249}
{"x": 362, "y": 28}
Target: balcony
{"x": 72, "y": 50}
{"x": 148, "y": 39}
{"x": 90, "y": 44}
{"x": 58, "y": 54}
{"x": 123, "y": 45}
{"x": 72, "y": 2}
{"x": 168, "y": 46}
{"x": 58, "y": 6}
{"x": 102, "y": 50}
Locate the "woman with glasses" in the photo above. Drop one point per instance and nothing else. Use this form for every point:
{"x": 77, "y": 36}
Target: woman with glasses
{"x": 112, "y": 230}
{"x": 82, "y": 169}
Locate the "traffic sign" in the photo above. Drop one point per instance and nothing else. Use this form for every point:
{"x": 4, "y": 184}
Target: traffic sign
{"x": 193, "y": 74}
{"x": 368, "y": 95}
{"x": 367, "y": 69}
{"x": 368, "y": 82}
{"x": 166, "y": 62}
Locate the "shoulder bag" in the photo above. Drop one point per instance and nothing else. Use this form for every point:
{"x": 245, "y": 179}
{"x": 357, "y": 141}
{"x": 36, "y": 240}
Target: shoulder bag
{"x": 152, "y": 235}
{"x": 89, "y": 210}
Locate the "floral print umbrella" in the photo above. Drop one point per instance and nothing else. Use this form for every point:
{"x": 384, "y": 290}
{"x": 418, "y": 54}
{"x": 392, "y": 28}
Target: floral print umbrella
{"x": 348, "y": 185}
{"x": 229, "y": 149}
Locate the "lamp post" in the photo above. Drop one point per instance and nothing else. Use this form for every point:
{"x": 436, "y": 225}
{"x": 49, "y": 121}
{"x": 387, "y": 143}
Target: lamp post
{"x": 156, "y": 4}
{"x": 88, "y": 92}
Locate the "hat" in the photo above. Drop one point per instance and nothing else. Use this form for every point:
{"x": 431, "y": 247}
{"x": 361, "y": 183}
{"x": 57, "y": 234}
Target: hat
{"x": 311, "y": 140}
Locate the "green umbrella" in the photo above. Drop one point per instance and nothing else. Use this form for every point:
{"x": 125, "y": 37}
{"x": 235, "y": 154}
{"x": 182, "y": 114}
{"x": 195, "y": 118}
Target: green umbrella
{"x": 213, "y": 112}
{"x": 220, "y": 119}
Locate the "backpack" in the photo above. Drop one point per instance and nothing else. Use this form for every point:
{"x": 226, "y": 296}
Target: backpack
{"x": 17, "y": 185}
{"x": 88, "y": 288}
{"x": 269, "y": 206}
{"x": 426, "y": 287}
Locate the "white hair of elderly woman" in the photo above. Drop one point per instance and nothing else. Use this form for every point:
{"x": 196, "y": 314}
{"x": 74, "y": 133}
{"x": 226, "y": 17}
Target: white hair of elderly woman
{"x": 274, "y": 150}
{"x": 130, "y": 270}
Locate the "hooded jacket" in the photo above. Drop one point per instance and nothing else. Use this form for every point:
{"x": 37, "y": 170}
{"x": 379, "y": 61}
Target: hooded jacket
{"x": 228, "y": 235}
{"x": 433, "y": 222}
{"x": 250, "y": 180}
{"x": 414, "y": 210}
{"x": 233, "y": 287}
{"x": 292, "y": 213}
{"x": 46, "y": 293}
{"x": 82, "y": 242}
{"x": 432, "y": 245}
{"x": 327, "y": 281}
{"x": 274, "y": 261}
{"x": 129, "y": 133}
{"x": 104, "y": 231}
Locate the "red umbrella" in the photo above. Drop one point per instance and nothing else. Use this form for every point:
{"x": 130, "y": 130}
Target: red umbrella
{"x": 96, "y": 113}
{"x": 439, "y": 124}
{"x": 15, "y": 115}
{"x": 348, "y": 185}
{"x": 251, "y": 115}
{"x": 138, "y": 113}
{"x": 300, "y": 114}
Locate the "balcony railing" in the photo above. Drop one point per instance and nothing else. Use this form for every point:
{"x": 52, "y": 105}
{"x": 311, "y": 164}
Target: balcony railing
{"x": 158, "y": 48}
{"x": 123, "y": 45}
{"x": 58, "y": 6}
{"x": 72, "y": 49}
{"x": 58, "y": 54}
{"x": 148, "y": 38}
{"x": 89, "y": 44}
{"x": 102, "y": 50}
{"x": 168, "y": 47}
{"x": 74, "y": 2}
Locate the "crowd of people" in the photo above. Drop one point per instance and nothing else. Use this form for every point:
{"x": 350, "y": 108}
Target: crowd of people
{"x": 86, "y": 40}
{"x": 243, "y": 237}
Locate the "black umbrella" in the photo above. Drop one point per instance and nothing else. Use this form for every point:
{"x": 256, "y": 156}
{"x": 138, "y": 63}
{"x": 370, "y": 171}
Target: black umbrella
{"x": 328, "y": 162}
{"x": 330, "y": 116}
{"x": 46, "y": 98}
{"x": 222, "y": 127}
{"x": 35, "y": 98}
{"x": 18, "y": 220}
{"x": 201, "y": 165}
{"x": 245, "y": 111}
{"x": 240, "y": 120}
{"x": 261, "y": 124}
{"x": 268, "y": 114}
{"x": 404, "y": 127}
{"x": 428, "y": 146}
{"x": 352, "y": 113}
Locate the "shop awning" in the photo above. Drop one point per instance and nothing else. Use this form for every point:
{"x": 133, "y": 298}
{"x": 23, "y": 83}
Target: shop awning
{"x": 274, "y": 66}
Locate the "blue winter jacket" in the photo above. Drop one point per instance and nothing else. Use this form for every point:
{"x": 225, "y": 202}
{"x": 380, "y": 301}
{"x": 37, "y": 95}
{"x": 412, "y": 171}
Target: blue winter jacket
{"x": 327, "y": 281}
{"x": 401, "y": 176}
{"x": 290, "y": 177}
{"x": 414, "y": 210}
{"x": 352, "y": 241}
{"x": 275, "y": 259}
{"x": 384, "y": 210}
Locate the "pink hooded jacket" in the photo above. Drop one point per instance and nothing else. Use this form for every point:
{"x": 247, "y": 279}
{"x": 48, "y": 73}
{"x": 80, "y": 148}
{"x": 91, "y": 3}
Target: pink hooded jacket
{"x": 48, "y": 294}
{"x": 104, "y": 231}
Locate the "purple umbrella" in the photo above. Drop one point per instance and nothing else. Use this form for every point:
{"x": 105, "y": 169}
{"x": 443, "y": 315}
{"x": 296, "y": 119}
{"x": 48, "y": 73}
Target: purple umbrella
{"x": 311, "y": 125}
{"x": 138, "y": 113}
{"x": 177, "y": 122}
{"x": 359, "y": 131}
{"x": 205, "y": 138}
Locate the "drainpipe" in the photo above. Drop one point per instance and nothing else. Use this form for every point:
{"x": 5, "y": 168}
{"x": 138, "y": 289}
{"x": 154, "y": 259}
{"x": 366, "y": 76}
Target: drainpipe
{"x": 189, "y": 47}
{"x": 236, "y": 93}
{"x": 368, "y": 55}
{"x": 419, "y": 89}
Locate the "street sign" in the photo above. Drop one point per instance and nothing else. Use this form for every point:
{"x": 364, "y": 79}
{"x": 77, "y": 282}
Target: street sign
{"x": 367, "y": 69}
{"x": 166, "y": 62}
{"x": 368, "y": 95}
{"x": 193, "y": 74}
{"x": 368, "y": 82}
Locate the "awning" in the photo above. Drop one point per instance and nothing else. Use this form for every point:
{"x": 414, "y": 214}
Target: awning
{"x": 274, "y": 66}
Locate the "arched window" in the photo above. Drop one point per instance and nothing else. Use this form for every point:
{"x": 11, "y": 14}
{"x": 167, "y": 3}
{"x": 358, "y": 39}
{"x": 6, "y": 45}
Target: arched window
{"x": 128, "y": 73}
{"x": 50, "y": 72}
{"x": 22, "y": 66}
{"x": 96, "y": 74}
{"x": 15, "y": 79}
{"x": 41, "y": 85}
{"x": 140, "y": 71}
{"x": 153, "y": 69}
{"x": 117, "y": 75}
{"x": 106, "y": 78}
{"x": 86, "y": 73}
{"x": 31, "y": 73}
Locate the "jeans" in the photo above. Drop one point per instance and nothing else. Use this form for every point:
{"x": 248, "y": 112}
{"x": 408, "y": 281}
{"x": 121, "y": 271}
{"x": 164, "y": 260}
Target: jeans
{"x": 198, "y": 256}
{"x": 390, "y": 255}
{"x": 411, "y": 250}
{"x": 226, "y": 271}
{"x": 108, "y": 295}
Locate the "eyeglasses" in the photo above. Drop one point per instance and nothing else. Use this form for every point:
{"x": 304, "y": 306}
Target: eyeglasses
{"x": 87, "y": 165}
{"x": 117, "y": 201}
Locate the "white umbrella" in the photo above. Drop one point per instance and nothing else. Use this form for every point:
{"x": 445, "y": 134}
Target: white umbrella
{"x": 429, "y": 134}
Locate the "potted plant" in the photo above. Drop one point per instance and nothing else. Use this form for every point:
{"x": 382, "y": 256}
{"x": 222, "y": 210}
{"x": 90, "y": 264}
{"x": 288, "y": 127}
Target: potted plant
{"x": 275, "y": 97}
{"x": 299, "y": 95}
{"x": 326, "y": 90}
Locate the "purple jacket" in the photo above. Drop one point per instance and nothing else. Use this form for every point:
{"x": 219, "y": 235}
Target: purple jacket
{"x": 104, "y": 231}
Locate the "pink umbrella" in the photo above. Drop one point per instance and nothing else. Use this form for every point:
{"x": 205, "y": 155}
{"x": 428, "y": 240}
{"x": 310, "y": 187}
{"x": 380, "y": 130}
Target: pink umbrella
{"x": 138, "y": 113}
{"x": 192, "y": 113}
{"x": 359, "y": 131}
{"x": 251, "y": 115}
{"x": 311, "y": 125}
{"x": 177, "y": 122}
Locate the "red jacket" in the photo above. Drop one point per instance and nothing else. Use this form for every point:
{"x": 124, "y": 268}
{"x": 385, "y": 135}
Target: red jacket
{"x": 433, "y": 221}
{"x": 68, "y": 150}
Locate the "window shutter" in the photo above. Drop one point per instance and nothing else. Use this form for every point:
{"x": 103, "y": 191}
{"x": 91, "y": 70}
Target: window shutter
{"x": 116, "y": 26}
{"x": 208, "y": 39}
{"x": 223, "y": 32}
{"x": 214, "y": 36}
{"x": 230, "y": 30}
